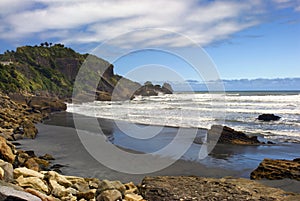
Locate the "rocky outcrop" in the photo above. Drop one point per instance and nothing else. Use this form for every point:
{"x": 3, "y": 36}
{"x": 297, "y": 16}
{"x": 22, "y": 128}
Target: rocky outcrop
{"x": 50, "y": 71}
{"x": 277, "y": 169}
{"x": 18, "y": 118}
{"x": 148, "y": 89}
{"x": 225, "y": 135}
{"x": 33, "y": 178}
{"x": 170, "y": 188}
{"x": 268, "y": 117}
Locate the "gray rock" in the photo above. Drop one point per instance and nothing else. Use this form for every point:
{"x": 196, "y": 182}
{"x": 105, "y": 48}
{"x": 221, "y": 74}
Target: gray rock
{"x": 9, "y": 193}
{"x": 8, "y": 171}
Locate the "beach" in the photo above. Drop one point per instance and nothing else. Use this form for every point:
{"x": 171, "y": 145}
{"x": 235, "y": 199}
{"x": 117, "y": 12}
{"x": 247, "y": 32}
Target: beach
{"x": 57, "y": 136}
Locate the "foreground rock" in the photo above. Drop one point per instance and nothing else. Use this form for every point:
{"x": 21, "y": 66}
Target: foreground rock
{"x": 268, "y": 117}
{"x": 170, "y": 188}
{"x": 277, "y": 169}
{"x": 8, "y": 192}
{"x": 226, "y": 135}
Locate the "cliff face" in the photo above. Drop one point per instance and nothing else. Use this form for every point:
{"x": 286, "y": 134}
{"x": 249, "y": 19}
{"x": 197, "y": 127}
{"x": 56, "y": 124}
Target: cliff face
{"x": 51, "y": 71}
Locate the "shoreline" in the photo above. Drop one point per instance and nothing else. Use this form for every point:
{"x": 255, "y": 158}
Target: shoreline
{"x": 58, "y": 137}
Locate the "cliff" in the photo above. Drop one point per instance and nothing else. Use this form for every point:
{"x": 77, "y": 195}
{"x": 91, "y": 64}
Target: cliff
{"x": 51, "y": 71}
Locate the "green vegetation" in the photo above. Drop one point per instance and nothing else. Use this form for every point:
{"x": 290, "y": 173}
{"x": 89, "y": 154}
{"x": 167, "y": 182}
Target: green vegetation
{"x": 51, "y": 69}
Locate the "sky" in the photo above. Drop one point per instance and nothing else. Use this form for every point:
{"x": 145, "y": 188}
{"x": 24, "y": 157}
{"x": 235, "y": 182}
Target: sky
{"x": 241, "y": 39}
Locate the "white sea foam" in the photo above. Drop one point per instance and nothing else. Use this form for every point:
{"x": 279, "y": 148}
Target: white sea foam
{"x": 197, "y": 110}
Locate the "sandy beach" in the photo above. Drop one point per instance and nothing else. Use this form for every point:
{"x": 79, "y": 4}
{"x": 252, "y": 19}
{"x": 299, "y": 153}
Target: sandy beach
{"x": 57, "y": 136}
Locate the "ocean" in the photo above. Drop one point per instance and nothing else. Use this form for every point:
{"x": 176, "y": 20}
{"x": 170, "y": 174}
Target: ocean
{"x": 238, "y": 110}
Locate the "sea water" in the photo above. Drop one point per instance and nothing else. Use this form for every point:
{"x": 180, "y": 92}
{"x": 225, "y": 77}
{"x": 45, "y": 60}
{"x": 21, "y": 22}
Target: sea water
{"x": 202, "y": 109}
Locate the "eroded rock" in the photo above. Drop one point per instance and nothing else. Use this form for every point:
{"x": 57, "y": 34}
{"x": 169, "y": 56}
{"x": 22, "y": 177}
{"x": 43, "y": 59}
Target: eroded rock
{"x": 277, "y": 169}
{"x": 268, "y": 117}
{"x": 225, "y": 135}
{"x": 171, "y": 188}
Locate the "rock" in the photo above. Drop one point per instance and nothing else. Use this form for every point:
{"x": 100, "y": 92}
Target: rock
{"x": 41, "y": 195}
{"x": 226, "y": 135}
{"x": 7, "y": 171}
{"x": 78, "y": 183}
{"x": 297, "y": 160}
{"x": 133, "y": 197}
{"x": 25, "y": 172}
{"x": 69, "y": 197}
{"x": 48, "y": 104}
{"x": 9, "y": 193}
{"x": 32, "y": 164}
{"x": 59, "y": 178}
{"x": 87, "y": 195}
{"x": 277, "y": 169}
{"x": 268, "y": 117}
{"x": 110, "y": 195}
{"x": 171, "y": 188}
{"x": 130, "y": 188}
{"x": 148, "y": 89}
{"x": 30, "y": 153}
{"x": 1, "y": 173}
{"x": 93, "y": 183}
{"x": 29, "y": 129}
{"x": 58, "y": 190}
{"x": 17, "y": 136}
{"x": 167, "y": 88}
{"x": 32, "y": 182}
{"x": 6, "y": 152}
{"x": 43, "y": 164}
{"x": 47, "y": 157}
{"x": 110, "y": 185}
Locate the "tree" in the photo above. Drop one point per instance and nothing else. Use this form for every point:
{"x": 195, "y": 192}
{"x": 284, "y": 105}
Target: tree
{"x": 42, "y": 44}
{"x": 46, "y": 44}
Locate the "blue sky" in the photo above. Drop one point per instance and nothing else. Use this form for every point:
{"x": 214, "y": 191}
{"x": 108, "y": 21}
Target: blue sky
{"x": 245, "y": 39}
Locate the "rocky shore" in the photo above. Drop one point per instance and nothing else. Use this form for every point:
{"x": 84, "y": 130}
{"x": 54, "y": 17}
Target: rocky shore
{"x": 26, "y": 176}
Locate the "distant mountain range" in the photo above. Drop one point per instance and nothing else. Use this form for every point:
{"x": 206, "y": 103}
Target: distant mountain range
{"x": 284, "y": 84}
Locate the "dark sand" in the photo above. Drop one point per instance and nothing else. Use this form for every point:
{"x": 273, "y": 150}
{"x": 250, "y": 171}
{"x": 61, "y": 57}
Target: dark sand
{"x": 59, "y": 138}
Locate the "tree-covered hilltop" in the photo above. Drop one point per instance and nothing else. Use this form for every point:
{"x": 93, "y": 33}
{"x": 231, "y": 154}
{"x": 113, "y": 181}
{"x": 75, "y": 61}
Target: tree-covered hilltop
{"x": 51, "y": 70}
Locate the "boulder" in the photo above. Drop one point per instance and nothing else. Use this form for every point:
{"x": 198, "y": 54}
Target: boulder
{"x": 7, "y": 168}
{"x": 25, "y": 172}
{"x": 110, "y": 185}
{"x": 29, "y": 129}
{"x": 32, "y": 182}
{"x": 32, "y": 164}
{"x": 167, "y": 88}
{"x": 268, "y": 117}
{"x": 41, "y": 195}
{"x": 6, "y": 153}
{"x": 110, "y": 195}
{"x": 277, "y": 169}
{"x": 9, "y": 193}
{"x": 87, "y": 195}
{"x": 58, "y": 190}
{"x": 130, "y": 188}
{"x": 225, "y": 135}
{"x": 59, "y": 178}
{"x": 171, "y": 188}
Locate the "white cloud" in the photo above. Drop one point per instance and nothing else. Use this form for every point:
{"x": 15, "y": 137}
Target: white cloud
{"x": 80, "y": 21}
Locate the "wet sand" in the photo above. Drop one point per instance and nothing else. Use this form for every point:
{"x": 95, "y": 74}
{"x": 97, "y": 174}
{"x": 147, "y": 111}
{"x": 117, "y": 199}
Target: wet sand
{"x": 58, "y": 137}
